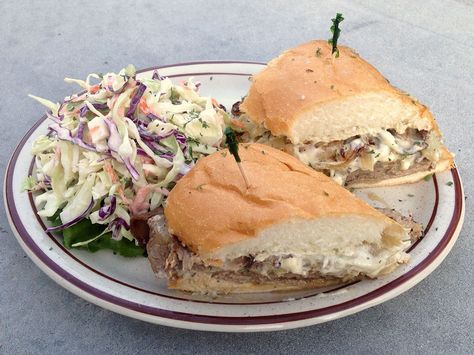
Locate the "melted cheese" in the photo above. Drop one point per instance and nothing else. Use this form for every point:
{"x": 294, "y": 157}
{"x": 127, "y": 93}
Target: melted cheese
{"x": 346, "y": 263}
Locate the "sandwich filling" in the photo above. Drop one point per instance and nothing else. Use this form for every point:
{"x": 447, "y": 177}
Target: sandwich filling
{"x": 382, "y": 155}
{"x": 366, "y": 258}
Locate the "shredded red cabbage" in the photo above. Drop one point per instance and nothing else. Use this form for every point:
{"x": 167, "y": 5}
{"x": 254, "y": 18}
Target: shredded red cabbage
{"x": 145, "y": 135}
{"x": 114, "y": 140}
{"x": 83, "y": 111}
{"x": 65, "y": 134}
{"x": 141, "y": 152}
{"x": 180, "y": 138}
{"x": 99, "y": 106}
{"x": 156, "y": 75}
{"x": 153, "y": 117}
{"x": 135, "y": 100}
{"x": 155, "y": 146}
{"x": 74, "y": 221}
{"x": 167, "y": 155}
{"x": 116, "y": 225}
{"x": 109, "y": 208}
{"x": 52, "y": 117}
{"x": 131, "y": 169}
{"x": 78, "y": 139}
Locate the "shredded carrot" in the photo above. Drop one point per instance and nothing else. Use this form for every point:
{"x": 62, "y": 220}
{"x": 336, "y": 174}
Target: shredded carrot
{"x": 143, "y": 106}
{"x": 122, "y": 195}
{"x": 93, "y": 89}
{"x": 110, "y": 171}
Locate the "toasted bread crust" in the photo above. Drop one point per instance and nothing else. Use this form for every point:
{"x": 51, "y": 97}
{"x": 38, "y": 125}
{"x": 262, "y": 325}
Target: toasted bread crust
{"x": 204, "y": 283}
{"x": 211, "y": 207}
{"x": 298, "y": 81}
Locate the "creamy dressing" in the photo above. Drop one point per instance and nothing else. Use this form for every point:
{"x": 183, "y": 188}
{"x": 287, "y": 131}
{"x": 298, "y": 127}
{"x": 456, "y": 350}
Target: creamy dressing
{"x": 346, "y": 263}
{"x": 342, "y": 158}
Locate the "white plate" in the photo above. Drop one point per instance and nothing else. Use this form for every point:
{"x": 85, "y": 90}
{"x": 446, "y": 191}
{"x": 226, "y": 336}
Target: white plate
{"x": 128, "y": 286}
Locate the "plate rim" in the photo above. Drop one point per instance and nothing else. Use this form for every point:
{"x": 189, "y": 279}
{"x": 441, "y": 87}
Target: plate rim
{"x": 225, "y": 323}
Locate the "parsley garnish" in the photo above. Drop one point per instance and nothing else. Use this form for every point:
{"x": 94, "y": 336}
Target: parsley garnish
{"x": 174, "y": 97}
{"x": 427, "y": 177}
{"x": 204, "y": 123}
{"x": 193, "y": 114}
{"x": 192, "y": 140}
{"x": 318, "y": 52}
{"x": 449, "y": 183}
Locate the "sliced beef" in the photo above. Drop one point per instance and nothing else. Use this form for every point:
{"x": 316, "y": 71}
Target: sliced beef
{"x": 383, "y": 171}
{"x": 160, "y": 244}
{"x": 170, "y": 259}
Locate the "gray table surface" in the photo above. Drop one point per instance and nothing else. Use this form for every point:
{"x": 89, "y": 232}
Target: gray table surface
{"x": 424, "y": 47}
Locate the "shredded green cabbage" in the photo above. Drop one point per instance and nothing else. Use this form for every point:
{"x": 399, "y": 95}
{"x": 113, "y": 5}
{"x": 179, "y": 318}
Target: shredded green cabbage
{"x": 123, "y": 137}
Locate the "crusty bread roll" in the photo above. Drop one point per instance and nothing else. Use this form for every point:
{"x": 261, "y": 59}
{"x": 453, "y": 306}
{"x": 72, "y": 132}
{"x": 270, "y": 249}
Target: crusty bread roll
{"x": 289, "y": 211}
{"x": 307, "y": 97}
{"x": 212, "y": 212}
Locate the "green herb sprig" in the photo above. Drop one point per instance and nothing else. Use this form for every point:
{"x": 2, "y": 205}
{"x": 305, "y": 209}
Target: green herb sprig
{"x": 233, "y": 145}
{"x": 336, "y": 31}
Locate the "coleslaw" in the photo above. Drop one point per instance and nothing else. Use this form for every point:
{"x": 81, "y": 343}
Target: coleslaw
{"x": 117, "y": 149}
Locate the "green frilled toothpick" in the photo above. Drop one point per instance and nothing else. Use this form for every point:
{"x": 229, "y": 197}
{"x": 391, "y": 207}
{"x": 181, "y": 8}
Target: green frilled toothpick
{"x": 233, "y": 145}
{"x": 335, "y": 33}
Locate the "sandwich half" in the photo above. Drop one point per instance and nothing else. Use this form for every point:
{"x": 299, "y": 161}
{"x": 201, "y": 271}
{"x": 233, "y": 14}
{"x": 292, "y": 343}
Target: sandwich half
{"x": 292, "y": 228}
{"x": 342, "y": 117}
